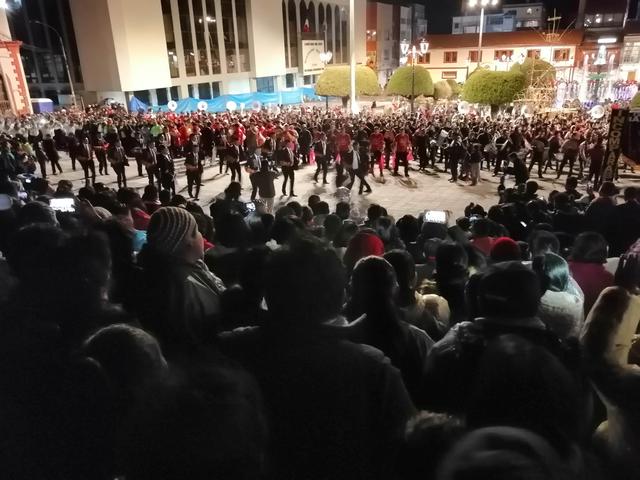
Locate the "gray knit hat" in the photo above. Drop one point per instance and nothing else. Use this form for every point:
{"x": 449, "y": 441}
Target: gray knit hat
{"x": 168, "y": 227}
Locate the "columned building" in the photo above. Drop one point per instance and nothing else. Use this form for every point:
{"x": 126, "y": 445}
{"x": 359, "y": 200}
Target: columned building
{"x": 161, "y": 50}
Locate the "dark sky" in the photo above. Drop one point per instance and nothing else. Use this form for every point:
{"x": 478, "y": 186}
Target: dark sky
{"x": 440, "y": 12}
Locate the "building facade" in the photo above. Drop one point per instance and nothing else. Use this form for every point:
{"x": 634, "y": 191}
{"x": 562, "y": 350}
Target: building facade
{"x": 456, "y": 56}
{"x": 41, "y": 47}
{"x": 521, "y": 16}
{"x": 161, "y": 50}
{"x": 387, "y": 26}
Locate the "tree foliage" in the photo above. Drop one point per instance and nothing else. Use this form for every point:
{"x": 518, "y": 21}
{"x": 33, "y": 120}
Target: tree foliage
{"x": 635, "y": 101}
{"x": 493, "y": 88}
{"x": 536, "y": 72}
{"x": 335, "y": 81}
{"x": 442, "y": 90}
{"x": 400, "y": 82}
{"x": 455, "y": 87}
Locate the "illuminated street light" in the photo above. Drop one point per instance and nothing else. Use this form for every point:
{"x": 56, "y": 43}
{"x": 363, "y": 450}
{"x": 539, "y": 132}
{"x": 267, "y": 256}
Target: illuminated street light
{"x": 406, "y": 49}
{"x": 483, "y": 4}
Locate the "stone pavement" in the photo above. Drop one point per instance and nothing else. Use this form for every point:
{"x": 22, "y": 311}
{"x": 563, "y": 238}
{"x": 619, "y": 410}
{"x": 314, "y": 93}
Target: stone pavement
{"x": 424, "y": 191}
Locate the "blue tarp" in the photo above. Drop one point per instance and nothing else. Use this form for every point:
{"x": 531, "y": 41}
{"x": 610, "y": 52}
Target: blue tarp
{"x": 219, "y": 104}
{"x": 136, "y": 105}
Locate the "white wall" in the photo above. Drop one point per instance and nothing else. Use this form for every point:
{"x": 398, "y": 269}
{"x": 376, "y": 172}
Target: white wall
{"x": 266, "y": 40}
{"x": 121, "y": 44}
{"x": 92, "y": 26}
{"x": 140, "y": 42}
{"x": 361, "y": 30}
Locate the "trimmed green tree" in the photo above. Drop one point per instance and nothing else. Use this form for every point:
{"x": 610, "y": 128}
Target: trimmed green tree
{"x": 442, "y": 90}
{"x": 410, "y": 82}
{"x": 536, "y": 72}
{"x": 455, "y": 88}
{"x": 635, "y": 101}
{"x": 493, "y": 88}
{"x": 335, "y": 81}
{"x": 402, "y": 79}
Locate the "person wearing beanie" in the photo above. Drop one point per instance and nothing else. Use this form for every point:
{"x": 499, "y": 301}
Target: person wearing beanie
{"x": 180, "y": 297}
{"x": 503, "y": 300}
{"x": 505, "y": 249}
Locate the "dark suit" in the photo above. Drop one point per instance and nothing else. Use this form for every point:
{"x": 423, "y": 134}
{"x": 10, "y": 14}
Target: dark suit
{"x": 85, "y": 157}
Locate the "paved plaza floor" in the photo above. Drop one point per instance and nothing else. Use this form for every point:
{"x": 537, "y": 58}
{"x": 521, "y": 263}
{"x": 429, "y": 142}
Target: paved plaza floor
{"x": 423, "y": 190}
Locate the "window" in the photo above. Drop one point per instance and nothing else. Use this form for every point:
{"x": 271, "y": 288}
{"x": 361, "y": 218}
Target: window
{"x": 338, "y": 37}
{"x": 161, "y": 95}
{"x": 201, "y": 40}
{"x": 386, "y": 55}
{"x": 143, "y": 95}
{"x": 533, "y": 53}
{"x": 215, "y": 89}
{"x": 561, "y": 55}
{"x": 449, "y": 75}
{"x": 473, "y": 56}
{"x": 426, "y": 58}
{"x": 631, "y": 53}
{"x": 284, "y": 29}
{"x": 456, "y": 25}
{"x": 329, "y": 22}
{"x": 290, "y": 80}
{"x": 211, "y": 29}
{"x": 187, "y": 39}
{"x": 265, "y": 84}
{"x": 229, "y": 35}
{"x": 450, "y": 57}
{"x": 498, "y": 54}
{"x": 172, "y": 56}
{"x": 293, "y": 34}
{"x": 344, "y": 17}
{"x": 308, "y": 79}
{"x": 204, "y": 91}
{"x": 243, "y": 37}
{"x": 173, "y": 93}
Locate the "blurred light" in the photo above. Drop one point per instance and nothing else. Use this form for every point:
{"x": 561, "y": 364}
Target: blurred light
{"x": 606, "y": 40}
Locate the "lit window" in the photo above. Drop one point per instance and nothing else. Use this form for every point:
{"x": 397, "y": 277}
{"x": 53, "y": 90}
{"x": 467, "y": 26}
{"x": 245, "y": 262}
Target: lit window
{"x": 450, "y": 57}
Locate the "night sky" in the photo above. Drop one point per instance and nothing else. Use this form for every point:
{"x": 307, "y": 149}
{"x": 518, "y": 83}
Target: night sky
{"x": 440, "y": 12}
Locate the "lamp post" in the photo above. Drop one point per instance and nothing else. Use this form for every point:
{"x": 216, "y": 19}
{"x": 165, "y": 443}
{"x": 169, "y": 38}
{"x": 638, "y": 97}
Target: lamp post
{"x": 483, "y": 4}
{"x": 352, "y": 63}
{"x": 325, "y": 57}
{"x": 406, "y": 49}
{"x": 209, "y": 20}
{"x": 64, "y": 57}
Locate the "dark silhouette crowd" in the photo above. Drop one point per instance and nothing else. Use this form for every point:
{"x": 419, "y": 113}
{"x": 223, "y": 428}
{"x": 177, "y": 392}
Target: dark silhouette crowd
{"x": 144, "y": 337}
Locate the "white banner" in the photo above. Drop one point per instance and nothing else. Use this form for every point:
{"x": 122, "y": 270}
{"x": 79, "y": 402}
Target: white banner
{"x": 311, "y": 50}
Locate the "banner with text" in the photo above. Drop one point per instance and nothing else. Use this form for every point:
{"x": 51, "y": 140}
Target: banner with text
{"x": 614, "y": 143}
{"x": 631, "y": 137}
{"x": 311, "y": 62}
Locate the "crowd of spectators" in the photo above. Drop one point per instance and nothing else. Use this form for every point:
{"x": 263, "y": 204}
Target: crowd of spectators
{"x": 146, "y": 337}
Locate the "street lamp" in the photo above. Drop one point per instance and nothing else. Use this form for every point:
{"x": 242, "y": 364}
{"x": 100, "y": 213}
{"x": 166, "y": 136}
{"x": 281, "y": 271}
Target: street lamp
{"x": 483, "y": 4}
{"x": 64, "y": 57}
{"x": 406, "y": 49}
{"x": 325, "y": 57}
